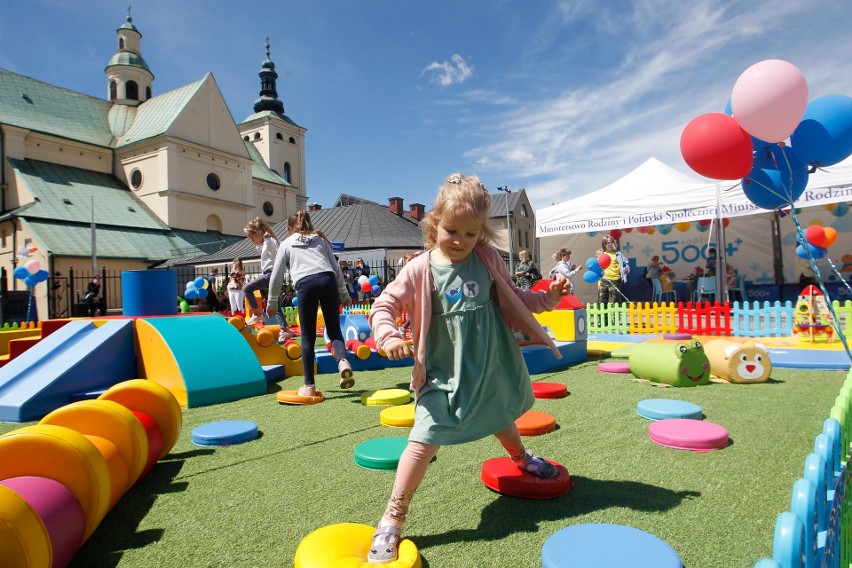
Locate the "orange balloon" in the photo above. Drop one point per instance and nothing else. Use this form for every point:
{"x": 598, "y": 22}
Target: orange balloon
{"x": 683, "y": 226}
{"x": 830, "y": 236}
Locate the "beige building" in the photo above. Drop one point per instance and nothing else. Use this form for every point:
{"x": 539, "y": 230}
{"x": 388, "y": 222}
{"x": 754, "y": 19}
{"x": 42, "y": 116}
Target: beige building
{"x": 152, "y": 177}
{"x": 521, "y": 223}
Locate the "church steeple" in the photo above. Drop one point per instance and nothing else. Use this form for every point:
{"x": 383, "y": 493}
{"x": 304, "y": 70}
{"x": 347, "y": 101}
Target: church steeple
{"x": 128, "y": 77}
{"x": 268, "y": 94}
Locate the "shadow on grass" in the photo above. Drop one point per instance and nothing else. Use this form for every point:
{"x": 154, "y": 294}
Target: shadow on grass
{"x": 508, "y": 515}
{"x": 119, "y": 531}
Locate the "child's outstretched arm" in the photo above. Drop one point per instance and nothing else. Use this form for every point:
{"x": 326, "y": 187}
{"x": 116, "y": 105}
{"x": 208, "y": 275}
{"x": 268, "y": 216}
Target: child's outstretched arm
{"x": 558, "y": 288}
{"x": 393, "y": 301}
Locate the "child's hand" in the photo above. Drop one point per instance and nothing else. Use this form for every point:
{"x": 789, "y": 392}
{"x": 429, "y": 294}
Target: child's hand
{"x": 558, "y": 288}
{"x": 346, "y": 302}
{"x": 271, "y": 306}
{"x": 398, "y": 349}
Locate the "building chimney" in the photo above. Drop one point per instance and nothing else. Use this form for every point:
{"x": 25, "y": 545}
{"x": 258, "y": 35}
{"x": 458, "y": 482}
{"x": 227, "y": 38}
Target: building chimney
{"x": 416, "y": 210}
{"x": 314, "y": 207}
{"x": 396, "y": 205}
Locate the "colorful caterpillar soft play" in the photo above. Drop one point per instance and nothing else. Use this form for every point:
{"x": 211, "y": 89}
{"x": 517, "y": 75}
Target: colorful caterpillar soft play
{"x": 59, "y": 478}
{"x": 679, "y": 364}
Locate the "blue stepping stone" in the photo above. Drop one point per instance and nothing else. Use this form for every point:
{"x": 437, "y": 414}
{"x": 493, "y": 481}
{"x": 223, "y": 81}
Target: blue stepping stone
{"x": 664, "y": 408}
{"x": 604, "y": 546}
{"x": 380, "y": 453}
{"x": 224, "y": 433}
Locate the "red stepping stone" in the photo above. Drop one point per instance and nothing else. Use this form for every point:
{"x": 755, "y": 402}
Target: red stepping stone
{"x": 533, "y": 423}
{"x": 504, "y": 477}
{"x": 549, "y": 390}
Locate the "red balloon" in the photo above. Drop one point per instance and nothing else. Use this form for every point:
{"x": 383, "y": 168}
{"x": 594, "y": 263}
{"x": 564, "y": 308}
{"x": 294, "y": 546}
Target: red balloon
{"x": 615, "y": 234}
{"x": 705, "y": 222}
{"x": 726, "y": 222}
{"x": 816, "y": 236}
{"x": 628, "y": 230}
{"x": 366, "y": 287}
{"x": 604, "y": 261}
{"x": 715, "y": 146}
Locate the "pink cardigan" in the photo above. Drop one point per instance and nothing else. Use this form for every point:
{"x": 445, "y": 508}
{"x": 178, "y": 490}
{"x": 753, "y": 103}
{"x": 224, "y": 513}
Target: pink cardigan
{"x": 412, "y": 292}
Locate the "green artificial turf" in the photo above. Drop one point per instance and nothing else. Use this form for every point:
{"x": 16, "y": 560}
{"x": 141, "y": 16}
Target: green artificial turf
{"x": 251, "y": 504}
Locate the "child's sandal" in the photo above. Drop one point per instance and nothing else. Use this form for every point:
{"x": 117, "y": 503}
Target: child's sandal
{"x": 385, "y": 545}
{"x": 538, "y": 467}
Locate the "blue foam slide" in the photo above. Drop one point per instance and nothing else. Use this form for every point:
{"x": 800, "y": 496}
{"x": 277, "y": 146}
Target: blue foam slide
{"x": 77, "y": 357}
{"x": 829, "y": 360}
{"x": 540, "y": 359}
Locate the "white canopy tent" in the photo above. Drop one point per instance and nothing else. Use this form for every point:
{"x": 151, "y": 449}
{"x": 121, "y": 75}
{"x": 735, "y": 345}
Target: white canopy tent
{"x": 657, "y": 195}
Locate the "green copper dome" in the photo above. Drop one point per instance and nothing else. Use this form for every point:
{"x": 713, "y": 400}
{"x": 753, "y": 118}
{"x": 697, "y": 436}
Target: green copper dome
{"x": 128, "y": 58}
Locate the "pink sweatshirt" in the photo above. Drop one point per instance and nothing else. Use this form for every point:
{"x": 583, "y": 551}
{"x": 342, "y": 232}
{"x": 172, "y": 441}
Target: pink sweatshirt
{"x": 412, "y": 292}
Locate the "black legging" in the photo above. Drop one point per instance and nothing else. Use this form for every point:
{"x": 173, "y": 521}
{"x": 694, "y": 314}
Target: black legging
{"x": 318, "y": 290}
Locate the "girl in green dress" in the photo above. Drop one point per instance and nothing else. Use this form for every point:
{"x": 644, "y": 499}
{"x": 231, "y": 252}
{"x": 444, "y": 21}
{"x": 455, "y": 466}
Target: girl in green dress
{"x": 469, "y": 375}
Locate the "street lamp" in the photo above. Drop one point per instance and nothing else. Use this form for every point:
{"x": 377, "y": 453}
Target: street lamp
{"x": 508, "y": 226}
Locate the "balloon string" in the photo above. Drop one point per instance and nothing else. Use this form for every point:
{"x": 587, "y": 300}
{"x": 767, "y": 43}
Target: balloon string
{"x": 837, "y": 273}
{"x": 835, "y": 322}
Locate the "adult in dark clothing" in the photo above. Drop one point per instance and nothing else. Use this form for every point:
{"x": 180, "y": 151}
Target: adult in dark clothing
{"x": 93, "y": 295}
{"x": 212, "y": 294}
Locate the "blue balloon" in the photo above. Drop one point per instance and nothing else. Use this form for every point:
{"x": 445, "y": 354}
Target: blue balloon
{"x": 191, "y": 294}
{"x": 664, "y": 229}
{"x": 816, "y": 252}
{"x": 376, "y": 290}
{"x": 591, "y": 277}
{"x": 21, "y": 272}
{"x": 202, "y": 292}
{"x": 294, "y": 301}
{"x": 824, "y": 135}
{"x": 373, "y": 279}
{"x": 199, "y": 282}
{"x": 30, "y": 280}
{"x": 702, "y": 228}
{"x": 41, "y": 275}
{"x": 592, "y": 264}
{"x": 778, "y": 178}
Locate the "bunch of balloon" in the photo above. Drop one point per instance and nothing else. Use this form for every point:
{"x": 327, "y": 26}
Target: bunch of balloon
{"x": 596, "y": 267}
{"x": 31, "y": 273}
{"x": 769, "y": 107}
{"x": 196, "y": 288}
{"x": 370, "y": 284}
{"x": 817, "y": 240}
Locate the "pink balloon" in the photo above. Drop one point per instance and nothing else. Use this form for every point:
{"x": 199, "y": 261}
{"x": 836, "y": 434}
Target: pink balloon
{"x": 642, "y": 229}
{"x": 769, "y": 99}
{"x": 33, "y": 266}
{"x": 604, "y": 261}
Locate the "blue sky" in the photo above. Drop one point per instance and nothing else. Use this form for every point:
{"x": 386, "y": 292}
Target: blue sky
{"x": 560, "y": 98}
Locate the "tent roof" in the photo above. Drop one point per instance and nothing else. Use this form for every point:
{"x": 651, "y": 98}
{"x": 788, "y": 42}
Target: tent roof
{"x": 657, "y": 194}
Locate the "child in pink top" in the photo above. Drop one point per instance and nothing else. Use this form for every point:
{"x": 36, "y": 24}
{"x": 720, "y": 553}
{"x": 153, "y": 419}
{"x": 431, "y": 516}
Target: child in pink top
{"x": 469, "y": 375}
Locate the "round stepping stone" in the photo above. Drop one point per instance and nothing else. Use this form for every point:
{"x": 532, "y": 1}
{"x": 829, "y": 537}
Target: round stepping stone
{"x": 347, "y": 544}
{"x": 599, "y": 545}
{"x": 685, "y": 434}
{"x": 398, "y": 416}
{"x": 380, "y": 453}
{"x": 293, "y": 397}
{"x": 549, "y": 390}
{"x": 534, "y": 423}
{"x": 505, "y": 477}
{"x": 386, "y": 397}
{"x": 677, "y": 336}
{"x": 663, "y": 408}
{"x": 620, "y": 367}
{"x": 224, "y": 433}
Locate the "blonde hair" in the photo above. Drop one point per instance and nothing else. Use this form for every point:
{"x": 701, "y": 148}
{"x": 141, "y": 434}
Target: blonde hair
{"x": 258, "y": 226}
{"x": 459, "y": 195}
{"x": 560, "y": 253}
{"x": 525, "y": 253}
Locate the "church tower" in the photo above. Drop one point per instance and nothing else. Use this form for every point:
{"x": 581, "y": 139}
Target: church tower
{"x": 279, "y": 140}
{"x": 128, "y": 77}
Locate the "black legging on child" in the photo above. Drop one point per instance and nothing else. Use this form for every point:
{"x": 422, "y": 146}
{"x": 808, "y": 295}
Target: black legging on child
{"x": 318, "y": 290}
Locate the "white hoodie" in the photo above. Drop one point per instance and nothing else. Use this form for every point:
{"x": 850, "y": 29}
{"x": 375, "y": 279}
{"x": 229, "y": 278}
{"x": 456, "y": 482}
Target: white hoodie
{"x": 304, "y": 255}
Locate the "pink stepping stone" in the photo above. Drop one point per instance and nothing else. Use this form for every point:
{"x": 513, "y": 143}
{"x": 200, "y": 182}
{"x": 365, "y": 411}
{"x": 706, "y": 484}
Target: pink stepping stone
{"x": 614, "y": 367}
{"x": 686, "y": 434}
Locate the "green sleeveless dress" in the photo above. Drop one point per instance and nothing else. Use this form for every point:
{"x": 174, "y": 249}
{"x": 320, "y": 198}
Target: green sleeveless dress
{"x": 476, "y": 379}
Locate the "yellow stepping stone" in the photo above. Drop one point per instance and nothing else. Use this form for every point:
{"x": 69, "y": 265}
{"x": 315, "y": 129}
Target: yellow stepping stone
{"x": 398, "y": 416}
{"x": 386, "y": 397}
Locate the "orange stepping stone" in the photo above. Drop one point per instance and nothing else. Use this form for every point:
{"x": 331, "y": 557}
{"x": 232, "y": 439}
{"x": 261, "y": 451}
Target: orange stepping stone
{"x": 549, "y": 390}
{"x": 533, "y": 423}
{"x": 292, "y": 397}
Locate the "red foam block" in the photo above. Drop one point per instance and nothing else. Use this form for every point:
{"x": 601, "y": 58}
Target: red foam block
{"x": 504, "y": 477}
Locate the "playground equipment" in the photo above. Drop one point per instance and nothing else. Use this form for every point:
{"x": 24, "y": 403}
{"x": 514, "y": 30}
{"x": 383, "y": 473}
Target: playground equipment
{"x": 59, "y": 478}
{"x": 678, "y": 364}
{"x": 505, "y": 477}
{"x": 347, "y": 544}
{"x": 738, "y": 362}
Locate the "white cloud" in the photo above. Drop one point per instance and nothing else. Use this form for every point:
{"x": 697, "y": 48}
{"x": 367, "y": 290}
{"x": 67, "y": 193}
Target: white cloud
{"x": 455, "y": 71}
